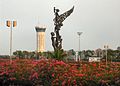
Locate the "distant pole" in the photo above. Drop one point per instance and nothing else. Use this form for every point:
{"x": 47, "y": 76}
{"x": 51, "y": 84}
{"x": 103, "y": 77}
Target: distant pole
{"x": 106, "y": 48}
{"x": 11, "y": 24}
{"x": 79, "y": 33}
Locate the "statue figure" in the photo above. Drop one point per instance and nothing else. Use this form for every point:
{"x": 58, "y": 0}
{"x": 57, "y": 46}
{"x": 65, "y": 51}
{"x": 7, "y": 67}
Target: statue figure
{"x": 58, "y": 22}
{"x": 53, "y": 40}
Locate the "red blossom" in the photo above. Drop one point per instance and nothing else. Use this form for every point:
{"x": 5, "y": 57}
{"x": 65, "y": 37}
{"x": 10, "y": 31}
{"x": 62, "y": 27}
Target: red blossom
{"x": 63, "y": 83}
{"x": 94, "y": 65}
{"x": 53, "y": 75}
{"x": 12, "y": 78}
{"x": 80, "y": 75}
{"x": 74, "y": 82}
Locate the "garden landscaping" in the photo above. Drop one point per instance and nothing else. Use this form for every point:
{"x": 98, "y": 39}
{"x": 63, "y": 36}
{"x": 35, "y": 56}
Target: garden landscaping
{"x": 51, "y": 72}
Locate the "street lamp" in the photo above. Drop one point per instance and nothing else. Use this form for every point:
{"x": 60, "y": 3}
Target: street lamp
{"x": 79, "y": 33}
{"x": 11, "y": 24}
{"x": 106, "y": 48}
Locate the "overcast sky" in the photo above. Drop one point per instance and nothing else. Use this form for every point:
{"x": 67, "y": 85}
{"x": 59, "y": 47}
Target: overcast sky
{"x": 99, "y": 20}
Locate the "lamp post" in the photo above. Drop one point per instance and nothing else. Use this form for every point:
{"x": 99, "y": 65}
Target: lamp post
{"x": 11, "y": 24}
{"x": 79, "y": 33}
{"x": 106, "y": 48}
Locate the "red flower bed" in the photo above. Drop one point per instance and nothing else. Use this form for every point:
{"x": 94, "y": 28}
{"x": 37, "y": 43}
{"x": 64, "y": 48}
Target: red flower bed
{"x": 58, "y": 73}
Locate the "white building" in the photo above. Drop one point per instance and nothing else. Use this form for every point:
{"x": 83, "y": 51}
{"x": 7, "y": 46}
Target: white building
{"x": 94, "y": 59}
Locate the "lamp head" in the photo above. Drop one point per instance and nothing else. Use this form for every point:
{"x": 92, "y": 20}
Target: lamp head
{"x": 79, "y": 33}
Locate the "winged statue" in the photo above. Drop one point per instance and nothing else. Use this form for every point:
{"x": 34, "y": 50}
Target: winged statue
{"x": 60, "y": 18}
{"x": 55, "y": 36}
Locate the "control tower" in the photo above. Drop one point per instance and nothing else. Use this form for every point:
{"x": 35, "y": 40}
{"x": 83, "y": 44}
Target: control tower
{"x": 40, "y": 38}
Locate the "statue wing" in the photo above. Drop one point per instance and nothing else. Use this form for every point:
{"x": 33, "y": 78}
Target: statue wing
{"x": 63, "y": 16}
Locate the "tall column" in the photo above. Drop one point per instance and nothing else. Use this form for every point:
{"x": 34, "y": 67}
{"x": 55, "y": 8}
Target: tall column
{"x": 40, "y": 38}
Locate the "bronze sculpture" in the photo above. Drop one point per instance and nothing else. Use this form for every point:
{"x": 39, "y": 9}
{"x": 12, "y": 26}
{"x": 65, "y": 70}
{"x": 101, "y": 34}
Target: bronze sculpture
{"x": 58, "y": 22}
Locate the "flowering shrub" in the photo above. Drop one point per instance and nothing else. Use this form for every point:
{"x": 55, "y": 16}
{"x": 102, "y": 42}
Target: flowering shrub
{"x": 51, "y": 72}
